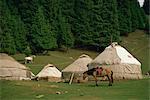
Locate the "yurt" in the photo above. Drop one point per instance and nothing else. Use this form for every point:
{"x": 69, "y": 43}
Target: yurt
{"x": 76, "y": 69}
{"x": 10, "y": 69}
{"x": 122, "y": 63}
{"x": 49, "y": 73}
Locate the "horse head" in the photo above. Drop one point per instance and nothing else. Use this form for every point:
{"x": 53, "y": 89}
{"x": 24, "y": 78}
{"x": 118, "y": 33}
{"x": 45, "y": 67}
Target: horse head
{"x": 33, "y": 56}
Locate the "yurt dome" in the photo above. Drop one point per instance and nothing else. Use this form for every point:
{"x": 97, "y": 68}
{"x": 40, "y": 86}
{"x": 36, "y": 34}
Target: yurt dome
{"x": 10, "y": 69}
{"x": 123, "y": 64}
{"x": 49, "y": 70}
{"x": 77, "y": 68}
{"x": 79, "y": 65}
{"x": 49, "y": 73}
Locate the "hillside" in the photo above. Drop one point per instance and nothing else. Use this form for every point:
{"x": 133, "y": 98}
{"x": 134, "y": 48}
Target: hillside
{"x": 137, "y": 43}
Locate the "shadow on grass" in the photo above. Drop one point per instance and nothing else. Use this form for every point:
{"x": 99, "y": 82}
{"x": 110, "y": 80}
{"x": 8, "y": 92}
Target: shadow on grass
{"x": 99, "y": 85}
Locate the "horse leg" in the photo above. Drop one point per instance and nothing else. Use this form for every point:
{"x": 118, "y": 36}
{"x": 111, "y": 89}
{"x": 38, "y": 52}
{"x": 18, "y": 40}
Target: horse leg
{"x": 30, "y": 61}
{"x": 25, "y": 62}
{"x": 95, "y": 80}
{"x": 110, "y": 82}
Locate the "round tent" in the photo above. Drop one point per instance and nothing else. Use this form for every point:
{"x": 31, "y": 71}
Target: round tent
{"x": 123, "y": 64}
{"x": 10, "y": 69}
{"x": 50, "y": 73}
{"x": 77, "y": 67}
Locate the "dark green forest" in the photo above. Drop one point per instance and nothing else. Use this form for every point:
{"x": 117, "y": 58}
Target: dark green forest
{"x": 146, "y": 6}
{"x": 35, "y": 26}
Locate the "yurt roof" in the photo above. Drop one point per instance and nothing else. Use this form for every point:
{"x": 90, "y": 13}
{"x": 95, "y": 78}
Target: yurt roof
{"x": 125, "y": 56}
{"x": 79, "y": 65}
{"x": 9, "y": 62}
{"x": 115, "y": 54}
{"x": 6, "y": 57}
{"x": 49, "y": 71}
{"x": 12, "y": 70}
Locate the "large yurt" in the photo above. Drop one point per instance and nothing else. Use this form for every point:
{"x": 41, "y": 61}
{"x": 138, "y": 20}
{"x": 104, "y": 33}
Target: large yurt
{"x": 122, "y": 63}
{"x": 10, "y": 69}
{"x": 49, "y": 73}
{"x": 77, "y": 68}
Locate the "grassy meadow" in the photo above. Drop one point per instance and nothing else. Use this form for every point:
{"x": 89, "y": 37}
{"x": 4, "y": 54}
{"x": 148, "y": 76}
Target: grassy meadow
{"x": 32, "y": 90}
{"x": 137, "y": 43}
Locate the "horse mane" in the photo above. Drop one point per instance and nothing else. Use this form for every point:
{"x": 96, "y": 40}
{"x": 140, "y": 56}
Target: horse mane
{"x": 90, "y": 71}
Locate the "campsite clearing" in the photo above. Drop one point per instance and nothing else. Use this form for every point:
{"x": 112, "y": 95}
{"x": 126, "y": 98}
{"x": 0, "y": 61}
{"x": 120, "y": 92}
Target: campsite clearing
{"x": 138, "y": 45}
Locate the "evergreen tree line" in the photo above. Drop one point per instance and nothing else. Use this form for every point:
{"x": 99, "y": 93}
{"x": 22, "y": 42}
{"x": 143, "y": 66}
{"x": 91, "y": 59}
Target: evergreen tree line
{"x": 146, "y": 6}
{"x": 39, "y": 25}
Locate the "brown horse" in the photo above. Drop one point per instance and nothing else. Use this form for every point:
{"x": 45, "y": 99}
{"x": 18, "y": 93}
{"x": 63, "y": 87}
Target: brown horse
{"x": 99, "y": 72}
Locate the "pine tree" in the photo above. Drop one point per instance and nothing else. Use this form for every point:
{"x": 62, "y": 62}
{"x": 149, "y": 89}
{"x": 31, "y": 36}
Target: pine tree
{"x": 81, "y": 23}
{"x": 147, "y": 26}
{"x": 17, "y": 27}
{"x": 146, "y": 6}
{"x": 19, "y": 34}
{"x": 67, "y": 9}
{"x": 7, "y": 43}
{"x": 64, "y": 36}
{"x": 138, "y": 17}
{"x": 41, "y": 36}
{"x": 110, "y": 31}
{"x": 96, "y": 23}
{"x": 142, "y": 18}
{"x": 124, "y": 16}
{"x": 27, "y": 10}
{"x": 51, "y": 10}
{"x": 58, "y": 22}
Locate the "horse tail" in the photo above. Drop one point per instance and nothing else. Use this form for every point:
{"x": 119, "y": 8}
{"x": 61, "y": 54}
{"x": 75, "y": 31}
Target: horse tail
{"x": 112, "y": 77}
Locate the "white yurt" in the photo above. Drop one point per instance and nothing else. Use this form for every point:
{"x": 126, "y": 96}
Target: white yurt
{"x": 49, "y": 73}
{"x": 77, "y": 68}
{"x": 10, "y": 69}
{"x": 122, "y": 63}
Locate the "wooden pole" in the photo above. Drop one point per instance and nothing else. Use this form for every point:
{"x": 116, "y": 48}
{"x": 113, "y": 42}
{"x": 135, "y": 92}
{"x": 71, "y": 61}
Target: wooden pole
{"x": 71, "y": 78}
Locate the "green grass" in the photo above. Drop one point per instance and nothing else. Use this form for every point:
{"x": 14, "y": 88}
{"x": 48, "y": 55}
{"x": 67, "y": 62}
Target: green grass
{"x": 137, "y": 43}
{"x": 32, "y": 90}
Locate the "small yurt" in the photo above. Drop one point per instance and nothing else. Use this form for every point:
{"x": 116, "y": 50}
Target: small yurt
{"x": 77, "y": 68}
{"x": 49, "y": 73}
{"x": 122, "y": 63}
{"x": 10, "y": 69}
